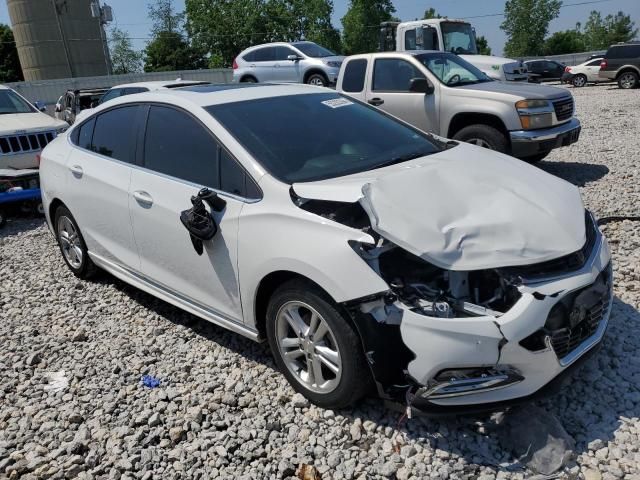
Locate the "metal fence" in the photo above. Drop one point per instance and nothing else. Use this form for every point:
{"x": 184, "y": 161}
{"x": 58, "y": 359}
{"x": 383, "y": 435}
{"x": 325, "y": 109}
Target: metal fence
{"x": 48, "y": 91}
{"x": 570, "y": 58}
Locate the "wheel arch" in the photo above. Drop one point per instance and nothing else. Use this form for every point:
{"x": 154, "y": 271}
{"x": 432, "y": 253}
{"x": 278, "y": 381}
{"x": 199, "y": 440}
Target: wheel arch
{"x": 313, "y": 70}
{"x": 53, "y": 206}
{"x": 248, "y": 75}
{"x": 465, "y": 119}
{"x": 627, "y": 69}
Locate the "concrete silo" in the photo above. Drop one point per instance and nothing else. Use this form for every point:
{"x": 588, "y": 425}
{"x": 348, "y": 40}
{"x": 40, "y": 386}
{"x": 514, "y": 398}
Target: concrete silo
{"x": 58, "y": 39}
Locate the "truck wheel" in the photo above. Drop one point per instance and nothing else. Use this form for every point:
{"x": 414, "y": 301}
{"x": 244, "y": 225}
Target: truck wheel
{"x": 315, "y": 346}
{"x": 579, "y": 80}
{"x": 317, "y": 79}
{"x": 483, "y": 136}
{"x": 628, "y": 80}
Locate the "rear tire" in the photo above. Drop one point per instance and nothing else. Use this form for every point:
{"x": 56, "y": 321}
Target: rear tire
{"x": 483, "y": 136}
{"x": 72, "y": 246}
{"x": 579, "y": 80}
{"x": 317, "y": 79}
{"x": 628, "y": 80}
{"x": 248, "y": 79}
{"x": 307, "y": 349}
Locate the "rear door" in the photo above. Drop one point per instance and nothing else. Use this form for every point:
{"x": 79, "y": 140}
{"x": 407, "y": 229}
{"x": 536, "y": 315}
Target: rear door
{"x": 180, "y": 157}
{"x": 389, "y": 90}
{"x": 264, "y": 64}
{"x": 98, "y": 183}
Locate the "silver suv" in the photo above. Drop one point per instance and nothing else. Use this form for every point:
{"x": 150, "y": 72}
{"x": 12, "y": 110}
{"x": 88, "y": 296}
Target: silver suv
{"x": 296, "y": 62}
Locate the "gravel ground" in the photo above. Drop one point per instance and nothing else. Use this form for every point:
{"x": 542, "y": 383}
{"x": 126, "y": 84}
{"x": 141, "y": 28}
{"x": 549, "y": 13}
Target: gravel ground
{"x": 222, "y": 410}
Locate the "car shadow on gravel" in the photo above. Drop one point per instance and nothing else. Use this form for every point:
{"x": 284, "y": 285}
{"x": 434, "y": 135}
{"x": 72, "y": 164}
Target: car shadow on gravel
{"x": 575, "y": 172}
{"x": 17, "y": 225}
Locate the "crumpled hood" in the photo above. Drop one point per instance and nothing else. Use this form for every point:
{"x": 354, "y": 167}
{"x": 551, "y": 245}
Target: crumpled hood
{"x": 466, "y": 208}
{"x": 15, "y": 122}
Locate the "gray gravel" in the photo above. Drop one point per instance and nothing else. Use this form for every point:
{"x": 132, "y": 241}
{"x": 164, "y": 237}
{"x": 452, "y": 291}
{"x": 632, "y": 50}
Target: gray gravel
{"x": 223, "y": 411}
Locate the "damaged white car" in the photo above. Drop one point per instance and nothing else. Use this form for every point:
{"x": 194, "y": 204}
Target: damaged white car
{"x": 366, "y": 252}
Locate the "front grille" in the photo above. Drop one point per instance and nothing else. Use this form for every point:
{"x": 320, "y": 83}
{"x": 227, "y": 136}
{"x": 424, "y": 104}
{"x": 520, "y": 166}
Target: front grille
{"x": 563, "y": 108}
{"x": 557, "y": 266}
{"x": 25, "y": 143}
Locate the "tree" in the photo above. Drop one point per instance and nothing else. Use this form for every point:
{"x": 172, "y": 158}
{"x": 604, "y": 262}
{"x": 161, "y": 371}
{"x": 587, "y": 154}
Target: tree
{"x": 209, "y": 23}
{"x": 124, "y": 58}
{"x": 169, "y": 49}
{"x": 566, "y": 41}
{"x": 599, "y": 33}
{"x": 526, "y": 23}
{"x": 483, "y": 46}
{"x": 361, "y": 24}
{"x": 10, "y": 70}
{"x": 430, "y": 13}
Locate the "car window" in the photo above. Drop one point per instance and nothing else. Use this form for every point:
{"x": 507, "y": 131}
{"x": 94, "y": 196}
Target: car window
{"x": 85, "y": 134}
{"x": 132, "y": 90}
{"x": 451, "y": 69}
{"x": 624, "y": 51}
{"x": 313, "y": 50}
{"x": 250, "y": 57}
{"x": 354, "y": 75}
{"x": 393, "y": 74}
{"x": 11, "y": 102}
{"x": 282, "y": 134}
{"x": 114, "y": 135}
{"x": 594, "y": 63}
{"x": 178, "y": 145}
{"x": 283, "y": 52}
{"x": 111, "y": 94}
{"x": 68, "y": 101}
{"x": 266, "y": 54}
{"x": 233, "y": 178}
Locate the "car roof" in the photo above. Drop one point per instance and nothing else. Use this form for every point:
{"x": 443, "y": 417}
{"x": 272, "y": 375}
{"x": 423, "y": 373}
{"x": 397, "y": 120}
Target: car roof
{"x": 158, "y": 84}
{"x": 215, "y": 94}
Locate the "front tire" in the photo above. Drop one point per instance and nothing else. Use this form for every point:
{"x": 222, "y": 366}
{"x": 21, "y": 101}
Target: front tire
{"x": 579, "y": 81}
{"x": 317, "y": 79}
{"x": 483, "y": 136}
{"x": 628, "y": 80}
{"x": 316, "y": 347}
{"x": 72, "y": 246}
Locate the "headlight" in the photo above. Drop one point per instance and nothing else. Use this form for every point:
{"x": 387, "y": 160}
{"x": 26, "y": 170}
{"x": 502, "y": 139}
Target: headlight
{"x": 535, "y": 114}
{"x": 333, "y": 64}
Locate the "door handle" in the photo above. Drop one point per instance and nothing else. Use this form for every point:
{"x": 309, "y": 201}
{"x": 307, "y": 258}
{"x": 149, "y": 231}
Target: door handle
{"x": 76, "y": 170}
{"x": 143, "y": 198}
{"x": 375, "y": 101}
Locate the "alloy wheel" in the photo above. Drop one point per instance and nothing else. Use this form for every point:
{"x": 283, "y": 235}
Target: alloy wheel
{"x": 317, "y": 81}
{"x": 627, "y": 80}
{"x": 579, "y": 81}
{"x": 479, "y": 142}
{"x": 70, "y": 242}
{"x": 308, "y": 347}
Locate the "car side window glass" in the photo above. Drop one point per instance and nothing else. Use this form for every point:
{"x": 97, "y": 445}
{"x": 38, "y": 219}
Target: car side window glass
{"x": 85, "y": 134}
{"x": 354, "y": 75}
{"x": 633, "y": 51}
{"x": 232, "y": 176}
{"x": 114, "y": 134}
{"x": 111, "y": 94}
{"x": 283, "y": 52}
{"x": 250, "y": 57}
{"x": 132, "y": 90}
{"x": 178, "y": 145}
{"x": 266, "y": 54}
{"x": 394, "y": 75}
{"x": 595, "y": 63}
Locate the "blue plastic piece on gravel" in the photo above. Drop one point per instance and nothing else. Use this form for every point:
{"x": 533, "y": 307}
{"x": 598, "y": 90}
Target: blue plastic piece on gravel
{"x": 150, "y": 382}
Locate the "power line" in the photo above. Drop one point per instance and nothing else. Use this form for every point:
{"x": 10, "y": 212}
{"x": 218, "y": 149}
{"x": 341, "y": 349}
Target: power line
{"x": 562, "y": 6}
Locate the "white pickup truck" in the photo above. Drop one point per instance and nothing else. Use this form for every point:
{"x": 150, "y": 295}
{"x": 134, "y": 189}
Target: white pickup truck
{"x": 449, "y": 35}
{"x": 24, "y": 130}
{"x": 441, "y": 93}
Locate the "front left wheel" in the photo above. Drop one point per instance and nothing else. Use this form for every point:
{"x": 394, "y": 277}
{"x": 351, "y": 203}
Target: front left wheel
{"x": 72, "y": 245}
{"x": 318, "y": 80}
{"x": 316, "y": 346}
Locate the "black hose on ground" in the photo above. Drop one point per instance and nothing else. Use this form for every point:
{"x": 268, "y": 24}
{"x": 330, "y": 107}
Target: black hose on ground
{"x": 618, "y": 218}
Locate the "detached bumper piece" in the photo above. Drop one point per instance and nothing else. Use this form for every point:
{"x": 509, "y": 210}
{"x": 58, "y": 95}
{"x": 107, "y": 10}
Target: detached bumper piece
{"x": 453, "y": 383}
{"x": 526, "y": 143}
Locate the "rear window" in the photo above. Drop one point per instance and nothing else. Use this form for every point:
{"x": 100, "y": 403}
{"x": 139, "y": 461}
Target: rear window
{"x": 624, "y": 51}
{"x": 354, "y": 73}
{"x": 282, "y": 134}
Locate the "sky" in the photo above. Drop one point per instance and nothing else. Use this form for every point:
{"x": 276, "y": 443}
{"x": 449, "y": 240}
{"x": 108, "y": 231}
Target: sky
{"x": 131, "y": 15}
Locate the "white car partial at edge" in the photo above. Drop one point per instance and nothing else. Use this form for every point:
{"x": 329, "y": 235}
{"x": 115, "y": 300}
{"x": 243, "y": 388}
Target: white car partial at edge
{"x": 367, "y": 253}
{"x": 24, "y": 130}
{"x": 587, "y": 72}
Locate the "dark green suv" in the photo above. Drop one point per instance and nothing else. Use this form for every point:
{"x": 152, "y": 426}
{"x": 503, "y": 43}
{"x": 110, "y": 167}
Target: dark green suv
{"x": 622, "y": 64}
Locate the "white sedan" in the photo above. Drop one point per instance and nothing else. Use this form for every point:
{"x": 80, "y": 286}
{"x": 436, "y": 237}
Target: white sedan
{"x": 584, "y": 73}
{"x": 366, "y": 252}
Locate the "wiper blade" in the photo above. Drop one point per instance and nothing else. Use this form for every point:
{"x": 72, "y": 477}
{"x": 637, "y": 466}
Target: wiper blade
{"x": 400, "y": 159}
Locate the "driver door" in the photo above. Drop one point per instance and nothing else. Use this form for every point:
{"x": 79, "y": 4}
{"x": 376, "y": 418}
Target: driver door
{"x": 389, "y": 91}
{"x": 181, "y": 156}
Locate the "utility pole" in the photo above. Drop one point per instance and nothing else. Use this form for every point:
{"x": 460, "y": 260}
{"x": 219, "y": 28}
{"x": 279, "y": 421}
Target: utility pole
{"x": 105, "y": 16}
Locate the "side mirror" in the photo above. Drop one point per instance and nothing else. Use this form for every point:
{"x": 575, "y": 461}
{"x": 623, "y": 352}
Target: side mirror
{"x": 293, "y": 58}
{"x": 198, "y": 221}
{"x": 421, "y": 85}
{"x": 40, "y": 106}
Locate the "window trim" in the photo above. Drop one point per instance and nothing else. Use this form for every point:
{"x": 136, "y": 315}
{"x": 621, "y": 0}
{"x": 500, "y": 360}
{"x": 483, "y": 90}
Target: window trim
{"x": 143, "y": 135}
{"x": 373, "y": 75}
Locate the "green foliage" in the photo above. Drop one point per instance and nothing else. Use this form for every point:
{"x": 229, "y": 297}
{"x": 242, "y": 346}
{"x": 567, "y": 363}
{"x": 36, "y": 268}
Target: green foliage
{"x": 483, "y": 45}
{"x": 526, "y": 23}
{"x": 10, "y": 70}
{"x": 169, "y": 50}
{"x": 599, "y": 33}
{"x": 360, "y": 24}
{"x": 124, "y": 59}
{"x": 566, "y": 41}
{"x": 430, "y": 13}
{"x": 223, "y": 28}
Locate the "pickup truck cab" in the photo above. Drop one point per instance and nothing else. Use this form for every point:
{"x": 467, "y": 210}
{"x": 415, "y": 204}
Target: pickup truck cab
{"x": 443, "y": 94}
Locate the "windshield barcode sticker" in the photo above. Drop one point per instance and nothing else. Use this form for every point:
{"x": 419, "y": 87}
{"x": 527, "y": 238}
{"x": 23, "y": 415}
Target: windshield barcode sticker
{"x": 337, "y": 102}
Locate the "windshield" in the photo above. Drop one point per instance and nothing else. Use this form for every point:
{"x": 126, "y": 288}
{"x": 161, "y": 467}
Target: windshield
{"x": 451, "y": 69}
{"x": 11, "y": 102}
{"x": 311, "y": 49}
{"x": 303, "y": 138}
{"x": 459, "y": 38}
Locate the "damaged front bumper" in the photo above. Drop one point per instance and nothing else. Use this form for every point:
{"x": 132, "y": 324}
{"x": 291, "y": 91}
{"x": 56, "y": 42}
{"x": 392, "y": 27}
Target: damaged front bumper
{"x": 477, "y": 363}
